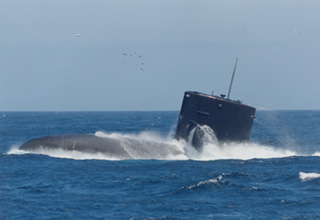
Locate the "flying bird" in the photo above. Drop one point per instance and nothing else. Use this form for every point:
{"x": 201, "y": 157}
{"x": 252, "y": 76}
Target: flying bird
{"x": 134, "y": 56}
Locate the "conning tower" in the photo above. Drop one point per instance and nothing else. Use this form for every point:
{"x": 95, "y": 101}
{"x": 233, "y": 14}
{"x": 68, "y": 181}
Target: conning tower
{"x": 231, "y": 121}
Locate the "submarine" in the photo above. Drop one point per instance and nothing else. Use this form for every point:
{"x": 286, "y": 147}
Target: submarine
{"x": 226, "y": 120}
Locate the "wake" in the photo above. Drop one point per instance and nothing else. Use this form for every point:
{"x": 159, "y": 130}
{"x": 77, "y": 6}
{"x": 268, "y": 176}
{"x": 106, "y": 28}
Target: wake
{"x": 166, "y": 148}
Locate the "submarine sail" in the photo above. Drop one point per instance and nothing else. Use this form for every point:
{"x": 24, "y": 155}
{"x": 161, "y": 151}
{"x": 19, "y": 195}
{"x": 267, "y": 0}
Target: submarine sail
{"x": 231, "y": 121}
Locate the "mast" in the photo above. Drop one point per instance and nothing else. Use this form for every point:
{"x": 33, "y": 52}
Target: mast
{"x": 234, "y": 70}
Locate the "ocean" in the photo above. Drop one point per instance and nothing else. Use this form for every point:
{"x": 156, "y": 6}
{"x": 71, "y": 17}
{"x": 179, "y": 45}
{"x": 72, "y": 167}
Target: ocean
{"x": 274, "y": 176}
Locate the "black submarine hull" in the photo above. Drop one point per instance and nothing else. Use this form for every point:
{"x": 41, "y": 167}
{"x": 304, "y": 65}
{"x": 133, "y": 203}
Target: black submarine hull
{"x": 122, "y": 147}
{"x": 231, "y": 121}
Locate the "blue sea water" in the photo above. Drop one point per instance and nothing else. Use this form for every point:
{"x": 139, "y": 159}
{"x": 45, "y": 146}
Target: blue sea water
{"x": 275, "y": 176}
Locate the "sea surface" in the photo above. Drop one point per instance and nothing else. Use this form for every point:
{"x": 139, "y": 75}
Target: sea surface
{"x": 274, "y": 176}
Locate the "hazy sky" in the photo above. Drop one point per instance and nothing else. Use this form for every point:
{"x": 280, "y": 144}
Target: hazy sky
{"x": 109, "y": 55}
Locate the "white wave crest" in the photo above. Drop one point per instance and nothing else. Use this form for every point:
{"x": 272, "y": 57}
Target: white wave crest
{"x": 242, "y": 151}
{"x": 15, "y": 150}
{"x": 308, "y": 176}
{"x": 212, "y": 150}
{"x": 316, "y": 154}
{"x": 217, "y": 180}
{"x": 61, "y": 153}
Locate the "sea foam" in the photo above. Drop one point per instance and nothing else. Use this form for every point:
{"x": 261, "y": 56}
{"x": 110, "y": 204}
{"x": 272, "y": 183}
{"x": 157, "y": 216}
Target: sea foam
{"x": 308, "y": 176}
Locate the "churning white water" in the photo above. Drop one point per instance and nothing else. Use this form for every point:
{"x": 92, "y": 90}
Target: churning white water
{"x": 165, "y": 148}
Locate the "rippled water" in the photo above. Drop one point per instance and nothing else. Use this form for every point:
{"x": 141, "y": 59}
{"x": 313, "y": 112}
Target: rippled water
{"x": 275, "y": 176}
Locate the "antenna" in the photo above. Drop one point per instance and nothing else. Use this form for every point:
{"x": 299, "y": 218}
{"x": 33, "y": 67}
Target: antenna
{"x": 234, "y": 70}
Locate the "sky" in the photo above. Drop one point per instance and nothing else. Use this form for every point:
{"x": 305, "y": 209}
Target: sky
{"x": 125, "y": 55}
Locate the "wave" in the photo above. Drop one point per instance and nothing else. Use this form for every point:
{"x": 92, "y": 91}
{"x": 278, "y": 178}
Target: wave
{"x": 308, "y": 176}
{"x": 61, "y": 153}
{"x": 242, "y": 151}
{"x": 166, "y": 148}
{"x": 206, "y": 183}
{"x": 316, "y": 154}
